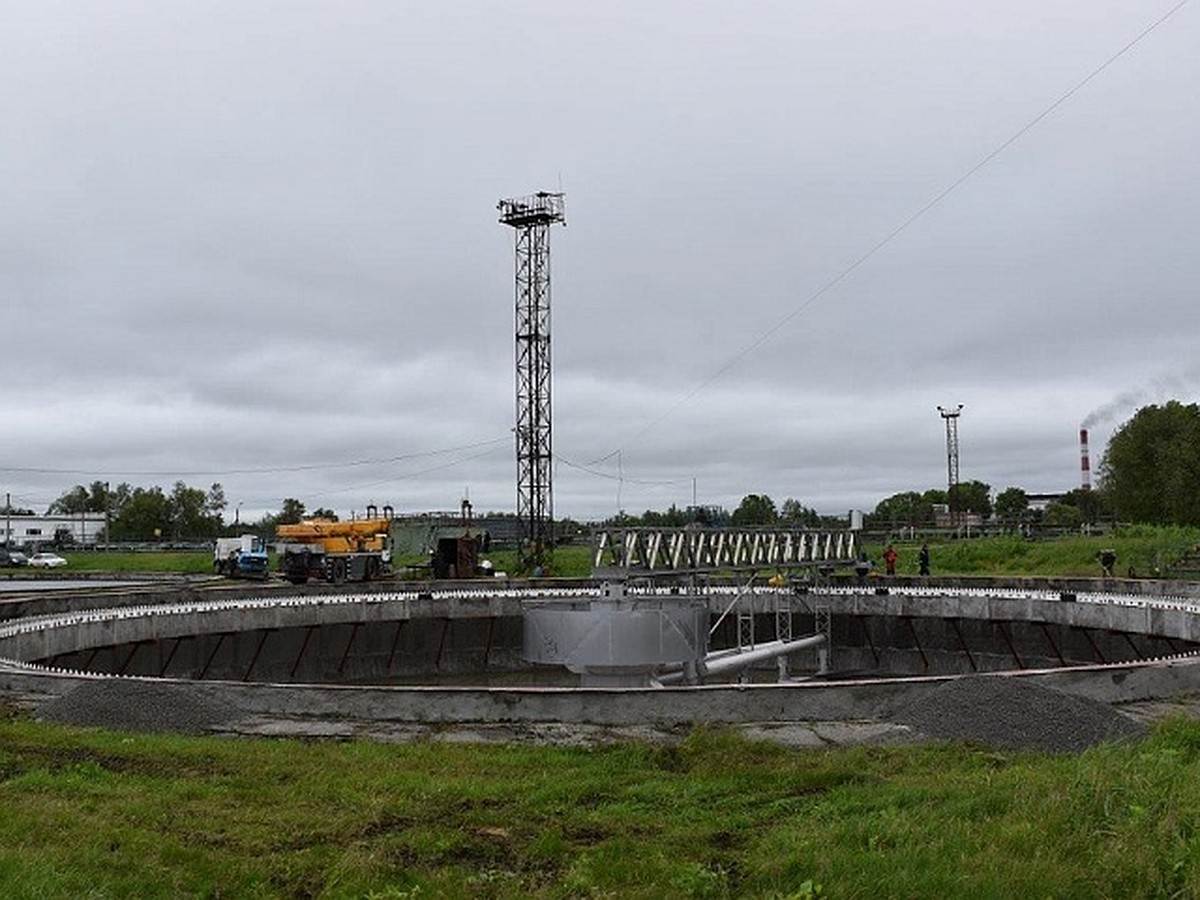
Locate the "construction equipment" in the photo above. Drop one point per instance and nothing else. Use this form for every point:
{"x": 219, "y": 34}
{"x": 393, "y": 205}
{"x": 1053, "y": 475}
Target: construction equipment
{"x": 241, "y": 557}
{"x": 357, "y": 550}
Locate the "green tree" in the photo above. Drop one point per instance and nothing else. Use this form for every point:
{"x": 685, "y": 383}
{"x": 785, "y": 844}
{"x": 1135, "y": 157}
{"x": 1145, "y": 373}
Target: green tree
{"x": 794, "y": 514}
{"x": 755, "y": 509}
{"x": 1062, "y": 515}
{"x": 97, "y": 499}
{"x": 672, "y": 518}
{"x": 906, "y": 508}
{"x": 192, "y": 512}
{"x": 144, "y": 516}
{"x": 1012, "y": 506}
{"x": 291, "y": 512}
{"x": 972, "y": 496}
{"x": 215, "y": 502}
{"x": 1150, "y": 471}
{"x": 1091, "y": 504}
{"x": 70, "y": 503}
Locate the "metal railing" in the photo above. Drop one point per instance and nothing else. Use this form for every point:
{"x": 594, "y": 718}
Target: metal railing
{"x": 683, "y": 550}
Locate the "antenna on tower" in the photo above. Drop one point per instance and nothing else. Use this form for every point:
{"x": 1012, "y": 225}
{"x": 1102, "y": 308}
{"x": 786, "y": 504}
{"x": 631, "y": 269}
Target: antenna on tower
{"x": 951, "y": 417}
{"x": 531, "y": 217}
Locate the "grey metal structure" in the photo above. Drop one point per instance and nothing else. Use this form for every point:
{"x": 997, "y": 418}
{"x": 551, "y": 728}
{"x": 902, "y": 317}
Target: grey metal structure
{"x": 625, "y": 551}
{"x": 531, "y": 217}
{"x": 617, "y": 639}
{"x": 951, "y": 418}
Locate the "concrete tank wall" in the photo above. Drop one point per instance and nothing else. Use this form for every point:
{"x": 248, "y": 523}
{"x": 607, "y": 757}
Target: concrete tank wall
{"x": 385, "y": 643}
{"x": 352, "y": 652}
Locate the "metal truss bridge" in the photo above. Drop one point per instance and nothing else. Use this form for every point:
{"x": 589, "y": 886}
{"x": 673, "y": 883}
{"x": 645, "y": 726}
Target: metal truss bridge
{"x": 646, "y": 551}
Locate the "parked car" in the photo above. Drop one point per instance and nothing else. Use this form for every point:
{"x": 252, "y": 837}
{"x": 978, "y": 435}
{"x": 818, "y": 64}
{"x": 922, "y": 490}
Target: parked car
{"x": 13, "y": 558}
{"x": 46, "y": 561}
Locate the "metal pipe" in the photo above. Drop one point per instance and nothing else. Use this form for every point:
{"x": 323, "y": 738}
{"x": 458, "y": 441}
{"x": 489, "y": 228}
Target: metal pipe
{"x": 722, "y": 662}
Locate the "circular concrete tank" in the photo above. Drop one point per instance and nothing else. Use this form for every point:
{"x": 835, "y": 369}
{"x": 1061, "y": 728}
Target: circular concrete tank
{"x": 293, "y": 656}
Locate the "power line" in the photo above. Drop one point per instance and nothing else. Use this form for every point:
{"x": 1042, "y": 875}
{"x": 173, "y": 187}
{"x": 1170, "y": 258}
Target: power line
{"x": 267, "y": 470}
{"x": 411, "y": 475}
{"x": 904, "y": 225}
{"x": 626, "y": 480}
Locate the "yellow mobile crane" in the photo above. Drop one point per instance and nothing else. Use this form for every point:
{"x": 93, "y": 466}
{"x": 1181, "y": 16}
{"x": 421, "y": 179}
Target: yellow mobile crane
{"x": 358, "y": 550}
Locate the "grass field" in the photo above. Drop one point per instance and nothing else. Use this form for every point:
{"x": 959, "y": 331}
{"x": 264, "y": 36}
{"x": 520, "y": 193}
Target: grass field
{"x": 92, "y": 814}
{"x": 1144, "y": 549}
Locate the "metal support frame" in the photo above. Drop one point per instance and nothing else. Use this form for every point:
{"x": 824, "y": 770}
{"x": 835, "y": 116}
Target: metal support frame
{"x": 308, "y": 633}
{"x": 621, "y": 551}
{"x": 532, "y": 217}
{"x": 912, "y": 630}
{"x": 262, "y": 642}
{"x": 962, "y": 642}
{"x": 783, "y": 629}
{"x": 212, "y": 656}
{"x": 487, "y": 650}
{"x": 437, "y": 663}
{"x": 349, "y": 645}
{"x": 823, "y": 622}
{"x": 162, "y": 670}
{"x": 129, "y": 659}
{"x": 862, "y": 621}
{"x": 1137, "y": 654}
{"x": 745, "y": 628}
{"x": 1008, "y": 641}
{"x": 395, "y": 643}
{"x": 1092, "y": 641}
{"x": 1053, "y": 644}
{"x": 951, "y": 417}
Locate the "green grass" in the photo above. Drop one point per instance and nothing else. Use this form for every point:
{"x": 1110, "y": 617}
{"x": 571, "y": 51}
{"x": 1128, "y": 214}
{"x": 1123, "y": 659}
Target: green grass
{"x": 180, "y": 562}
{"x": 93, "y": 814}
{"x": 1145, "y": 549}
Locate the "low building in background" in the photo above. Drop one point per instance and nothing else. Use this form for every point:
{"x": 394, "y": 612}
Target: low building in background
{"x": 76, "y": 530}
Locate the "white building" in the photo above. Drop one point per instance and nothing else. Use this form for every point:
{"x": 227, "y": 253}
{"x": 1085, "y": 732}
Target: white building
{"x": 81, "y": 529}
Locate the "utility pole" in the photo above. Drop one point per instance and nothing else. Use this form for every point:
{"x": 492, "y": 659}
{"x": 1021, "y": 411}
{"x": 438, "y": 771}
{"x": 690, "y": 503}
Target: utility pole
{"x": 531, "y": 217}
{"x": 951, "y": 418}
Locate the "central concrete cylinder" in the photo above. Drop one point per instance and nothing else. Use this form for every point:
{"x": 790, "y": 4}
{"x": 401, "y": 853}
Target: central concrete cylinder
{"x": 614, "y": 639}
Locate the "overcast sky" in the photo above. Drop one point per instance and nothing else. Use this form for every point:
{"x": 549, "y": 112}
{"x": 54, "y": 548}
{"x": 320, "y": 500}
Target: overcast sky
{"x": 256, "y": 243}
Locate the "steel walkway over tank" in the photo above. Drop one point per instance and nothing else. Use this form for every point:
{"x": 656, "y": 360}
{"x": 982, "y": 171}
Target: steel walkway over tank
{"x": 647, "y": 551}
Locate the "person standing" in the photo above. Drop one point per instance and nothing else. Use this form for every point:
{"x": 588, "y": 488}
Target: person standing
{"x": 889, "y": 559}
{"x": 923, "y": 559}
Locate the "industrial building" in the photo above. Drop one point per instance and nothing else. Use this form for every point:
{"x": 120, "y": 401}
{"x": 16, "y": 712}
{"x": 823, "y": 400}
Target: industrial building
{"x": 79, "y": 529}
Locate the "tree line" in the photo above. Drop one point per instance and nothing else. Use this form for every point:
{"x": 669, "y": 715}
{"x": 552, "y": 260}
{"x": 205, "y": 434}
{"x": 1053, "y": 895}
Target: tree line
{"x": 184, "y": 514}
{"x": 1149, "y": 474}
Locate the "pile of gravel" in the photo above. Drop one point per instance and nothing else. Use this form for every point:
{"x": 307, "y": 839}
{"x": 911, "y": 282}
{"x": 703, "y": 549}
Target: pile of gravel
{"x": 123, "y": 704}
{"x": 1014, "y": 714}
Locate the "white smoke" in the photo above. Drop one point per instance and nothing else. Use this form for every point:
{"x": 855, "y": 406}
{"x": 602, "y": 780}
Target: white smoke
{"x": 1168, "y": 387}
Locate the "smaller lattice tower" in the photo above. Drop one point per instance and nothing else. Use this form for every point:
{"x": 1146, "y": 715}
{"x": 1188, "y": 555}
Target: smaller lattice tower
{"x": 531, "y": 218}
{"x": 951, "y": 418}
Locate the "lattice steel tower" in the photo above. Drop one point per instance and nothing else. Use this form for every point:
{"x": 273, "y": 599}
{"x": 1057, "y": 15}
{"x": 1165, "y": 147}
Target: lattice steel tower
{"x": 531, "y": 217}
{"x": 951, "y": 417}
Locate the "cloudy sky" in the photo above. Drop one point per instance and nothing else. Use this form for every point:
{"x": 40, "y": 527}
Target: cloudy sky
{"x": 256, "y": 243}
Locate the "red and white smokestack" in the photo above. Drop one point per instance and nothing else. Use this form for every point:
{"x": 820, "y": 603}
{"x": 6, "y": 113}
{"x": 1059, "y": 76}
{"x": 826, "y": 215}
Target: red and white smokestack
{"x": 1085, "y": 468}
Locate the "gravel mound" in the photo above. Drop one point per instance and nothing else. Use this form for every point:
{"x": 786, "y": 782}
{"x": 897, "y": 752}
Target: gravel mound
{"x": 1014, "y": 714}
{"x": 122, "y": 704}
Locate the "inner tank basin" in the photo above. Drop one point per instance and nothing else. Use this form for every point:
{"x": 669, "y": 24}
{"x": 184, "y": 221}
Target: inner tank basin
{"x": 819, "y": 659}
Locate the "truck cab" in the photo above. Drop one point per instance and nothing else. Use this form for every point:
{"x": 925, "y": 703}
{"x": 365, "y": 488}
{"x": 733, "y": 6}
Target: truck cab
{"x": 241, "y": 557}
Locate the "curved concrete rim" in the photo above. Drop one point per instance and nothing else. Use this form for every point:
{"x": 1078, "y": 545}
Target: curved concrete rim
{"x": 847, "y": 707}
